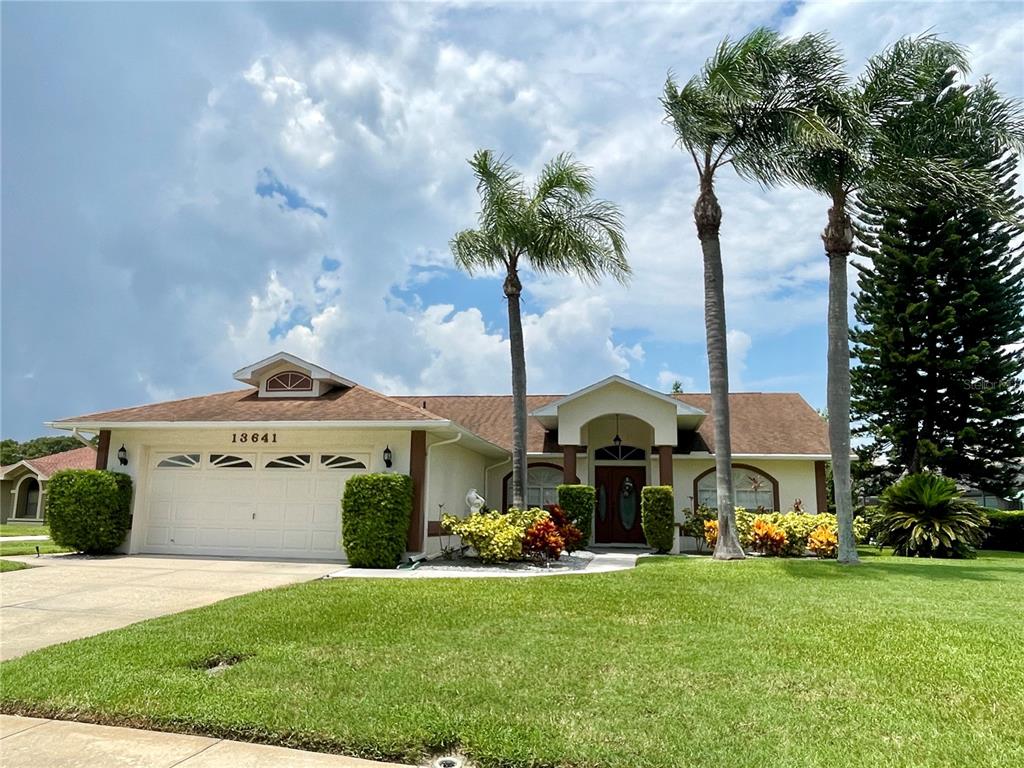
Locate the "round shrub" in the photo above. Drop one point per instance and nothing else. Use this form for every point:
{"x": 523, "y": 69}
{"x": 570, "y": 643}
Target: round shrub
{"x": 924, "y": 515}
{"x": 89, "y": 510}
{"x": 657, "y": 516}
{"x": 375, "y": 512}
{"x": 578, "y": 502}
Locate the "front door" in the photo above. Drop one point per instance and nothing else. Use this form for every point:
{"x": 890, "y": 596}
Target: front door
{"x": 617, "y": 518}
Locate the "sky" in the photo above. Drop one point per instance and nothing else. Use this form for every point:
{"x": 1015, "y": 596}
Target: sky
{"x": 188, "y": 188}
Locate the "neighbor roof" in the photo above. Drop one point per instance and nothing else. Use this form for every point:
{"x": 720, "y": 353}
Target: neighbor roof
{"x": 44, "y": 466}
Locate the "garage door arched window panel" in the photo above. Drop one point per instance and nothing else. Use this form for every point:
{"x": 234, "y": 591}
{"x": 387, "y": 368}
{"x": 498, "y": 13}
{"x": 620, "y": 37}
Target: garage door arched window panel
{"x": 231, "y": 461}
{"x": 290, "y": 461}
{"x": 179, "y": 461}
{"x": 752, "y": 488}
{"x": 337, "y": 461}
{"x": 290, "y": 381}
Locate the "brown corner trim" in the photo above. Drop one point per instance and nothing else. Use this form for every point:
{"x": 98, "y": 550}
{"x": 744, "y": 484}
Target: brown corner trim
{"x": 418, "y": 473}
{"x": 820, "y": 486}
{"x": 103, "y": 449}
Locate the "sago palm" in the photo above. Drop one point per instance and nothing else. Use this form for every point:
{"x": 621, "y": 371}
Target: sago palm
{"x": 744, "y": 107}
{"x": 554, "y": 226}
{"x": 924, "y": 515}
{"x": 891, "y": 139}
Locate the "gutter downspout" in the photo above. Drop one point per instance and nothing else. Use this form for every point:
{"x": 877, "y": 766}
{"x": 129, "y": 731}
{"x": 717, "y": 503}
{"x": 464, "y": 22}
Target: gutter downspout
{"x": 85, "y": 440}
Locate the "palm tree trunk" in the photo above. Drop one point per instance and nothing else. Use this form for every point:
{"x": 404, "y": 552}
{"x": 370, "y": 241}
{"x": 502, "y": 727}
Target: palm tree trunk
{"x": 707, "y": 214}
{"x": 838, "y": 240}
{"x": 513, "y": 290}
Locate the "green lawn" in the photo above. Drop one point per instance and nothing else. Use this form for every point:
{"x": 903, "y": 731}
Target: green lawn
{"x": 8, "y": 548}
{"x": 11, "y": 565}
{"x": 681, "y": 662}
{"x": 16, "y": 529}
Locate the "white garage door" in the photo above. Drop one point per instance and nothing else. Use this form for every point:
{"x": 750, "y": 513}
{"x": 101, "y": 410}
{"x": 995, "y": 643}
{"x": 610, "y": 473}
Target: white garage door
{"x": 248, "y": 504}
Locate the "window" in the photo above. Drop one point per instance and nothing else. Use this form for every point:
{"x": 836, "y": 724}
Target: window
{"x": 292, "y": 461}
{"x": 541, "y": 486}
{"x": 337, "y": 461}
{"x": 289, "y": 381}
{"x": 752, "y": 489}
{"x": 179, "y": 461}
{"x": 619, "y": 453}
{"x": 229, "y": 461}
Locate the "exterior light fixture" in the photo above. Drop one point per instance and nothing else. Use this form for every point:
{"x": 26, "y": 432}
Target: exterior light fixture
{"x": 122, "y": 455}
{"x": 387, "y": 457}
{"x": 617, "y": 440}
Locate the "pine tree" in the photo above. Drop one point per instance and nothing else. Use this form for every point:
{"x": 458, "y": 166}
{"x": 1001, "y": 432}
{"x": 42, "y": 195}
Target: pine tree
{"x": 940, "y": 314}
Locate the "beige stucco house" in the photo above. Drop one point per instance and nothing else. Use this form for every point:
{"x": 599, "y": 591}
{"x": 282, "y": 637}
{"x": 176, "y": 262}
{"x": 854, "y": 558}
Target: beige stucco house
{"x": 259, "y": 471}
{"x": 23, "y": 485}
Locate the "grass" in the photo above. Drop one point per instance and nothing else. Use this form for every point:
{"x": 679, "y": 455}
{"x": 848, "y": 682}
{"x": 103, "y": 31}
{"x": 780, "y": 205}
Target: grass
{"x": 9, "y": 548}
{"x": 20, "y": 529}
{"x": 11, "y": 565}
{"x": 681, "y": 662}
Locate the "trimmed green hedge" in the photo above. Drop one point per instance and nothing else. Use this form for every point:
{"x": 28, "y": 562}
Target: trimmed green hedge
{"x": 578, "y": 503}
{"x": 657, "y": 516}
{"x": 375, "y": 512}
{"x": 1005, "y": 530}
{"x": 89, "y": 510}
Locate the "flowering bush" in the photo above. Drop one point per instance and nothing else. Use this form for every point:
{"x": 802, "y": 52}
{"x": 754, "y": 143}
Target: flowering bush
{"x": 823, "y": 542}
{"x": 711, "y": 533}
{"x": 768, "y": 539}
{"x": 495, "y": 536}
{"x": 572, "y": 536}
{"x": 543, "y": 541}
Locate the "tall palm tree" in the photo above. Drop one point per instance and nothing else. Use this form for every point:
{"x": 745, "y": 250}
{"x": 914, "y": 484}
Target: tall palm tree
{"x": 554, "y": 226}
{"x": 892, "y": 139}
{"x": 747, "y": 103}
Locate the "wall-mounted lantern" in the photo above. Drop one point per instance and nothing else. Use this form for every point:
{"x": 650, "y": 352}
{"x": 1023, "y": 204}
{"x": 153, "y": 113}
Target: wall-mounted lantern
{"x": 387, "y": 457}
{"x": 122, "y": 455}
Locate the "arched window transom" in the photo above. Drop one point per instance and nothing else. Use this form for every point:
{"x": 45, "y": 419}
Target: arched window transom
{"x": 290, "y": 381}
{"x": 620, "y": 453}
{"x": 751, "y": 489}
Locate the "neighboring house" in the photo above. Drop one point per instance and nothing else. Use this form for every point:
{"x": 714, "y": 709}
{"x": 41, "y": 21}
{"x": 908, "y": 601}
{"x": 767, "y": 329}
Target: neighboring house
{"x": 260, "y": 471}
{"x": 23, "y": 485}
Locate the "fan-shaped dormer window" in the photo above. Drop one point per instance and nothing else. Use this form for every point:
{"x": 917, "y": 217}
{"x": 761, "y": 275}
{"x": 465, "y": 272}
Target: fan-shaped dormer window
{"x": 289, "y": 381}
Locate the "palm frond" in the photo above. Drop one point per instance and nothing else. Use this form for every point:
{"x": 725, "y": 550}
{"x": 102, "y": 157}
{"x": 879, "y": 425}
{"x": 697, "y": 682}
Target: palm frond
{"x": 585, "y": 238}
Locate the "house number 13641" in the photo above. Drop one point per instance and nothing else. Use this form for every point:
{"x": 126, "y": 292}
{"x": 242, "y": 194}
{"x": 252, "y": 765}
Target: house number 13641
{"x": 254, "y": 437}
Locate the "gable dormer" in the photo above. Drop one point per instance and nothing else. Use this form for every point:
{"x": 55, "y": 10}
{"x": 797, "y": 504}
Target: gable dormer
{"x": 285, "y": 375}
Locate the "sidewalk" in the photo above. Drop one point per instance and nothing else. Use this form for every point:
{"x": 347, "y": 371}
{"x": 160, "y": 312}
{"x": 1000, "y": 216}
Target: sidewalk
{"x": 24, "y": 538}
{"x": 28, "y": 742}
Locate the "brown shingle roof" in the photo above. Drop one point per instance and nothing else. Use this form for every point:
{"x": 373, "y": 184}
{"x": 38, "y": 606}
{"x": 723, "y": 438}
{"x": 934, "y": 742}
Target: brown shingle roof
{"x": 762, "y": 422}
{"x": 44, "y": 466}
{"x": 355, "y": 404}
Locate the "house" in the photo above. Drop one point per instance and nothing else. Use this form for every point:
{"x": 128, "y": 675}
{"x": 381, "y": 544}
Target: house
{"x": 23, "y": 485}
{"x": 259, "y": 471}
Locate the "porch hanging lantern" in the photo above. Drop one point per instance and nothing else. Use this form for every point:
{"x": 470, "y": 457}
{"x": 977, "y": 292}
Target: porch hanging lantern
{"x": 387, "y": 456}
{"x": 122, "y": 455}
{"x": 617, "y": 440}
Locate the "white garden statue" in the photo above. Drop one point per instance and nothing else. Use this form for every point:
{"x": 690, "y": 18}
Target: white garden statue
{"x": 474, "y": 501}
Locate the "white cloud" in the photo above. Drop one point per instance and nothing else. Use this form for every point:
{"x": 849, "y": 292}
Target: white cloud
{"x": 739, "y": 343}
{"x": 667, "y": 378}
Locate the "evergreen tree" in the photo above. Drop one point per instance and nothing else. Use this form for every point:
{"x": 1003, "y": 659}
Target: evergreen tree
{"x": 940, "y": 384}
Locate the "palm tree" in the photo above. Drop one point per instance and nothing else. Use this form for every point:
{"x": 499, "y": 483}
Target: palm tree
{"x": 742, "y": 109}
{"x": 891, "y": 138}
{"x": 555, "y": 226}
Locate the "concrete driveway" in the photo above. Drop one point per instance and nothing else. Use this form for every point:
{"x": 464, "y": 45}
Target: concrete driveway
{"x": 71, "y": 596}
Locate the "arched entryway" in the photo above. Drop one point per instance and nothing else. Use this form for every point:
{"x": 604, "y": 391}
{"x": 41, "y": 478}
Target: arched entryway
{"x": 26, "y": 502}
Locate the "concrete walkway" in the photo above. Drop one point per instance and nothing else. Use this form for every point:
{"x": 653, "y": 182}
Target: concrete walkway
{"x": 73, "y": 596}
{"x": 24, "y": 538}
{"x": 28, "y": 742}
{"x": 587, "y": 562}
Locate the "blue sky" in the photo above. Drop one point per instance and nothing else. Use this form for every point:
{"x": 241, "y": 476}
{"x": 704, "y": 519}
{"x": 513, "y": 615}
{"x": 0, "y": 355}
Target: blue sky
{"x": 187, "y": 188}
